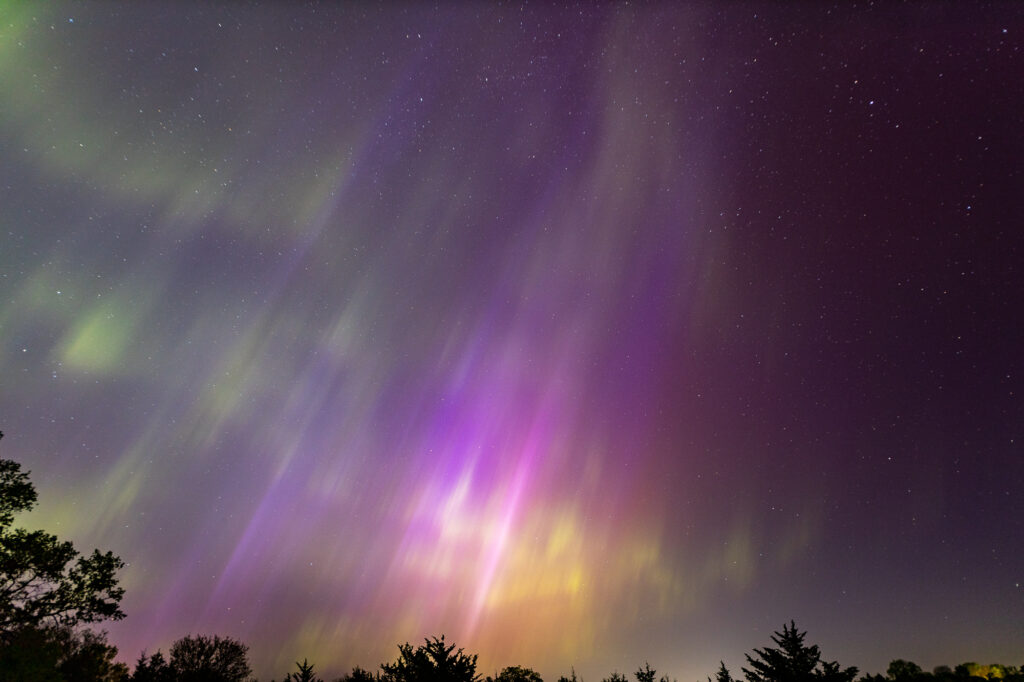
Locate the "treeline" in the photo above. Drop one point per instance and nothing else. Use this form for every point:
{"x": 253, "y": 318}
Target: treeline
{"x": 49, "y": 593}
{"x": 64, "y": 654}
{"x": 908, "y": 671}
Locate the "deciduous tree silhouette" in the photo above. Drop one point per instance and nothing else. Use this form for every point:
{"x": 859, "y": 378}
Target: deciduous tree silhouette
{"x": 903, "y": 671}
{"x": 44, "y": 581}
{"x": 433, "y": 661}
{"x": 873, "y": 678}
{"x": 990, "y": 671}
{"x": 209, "y": 659}
{"x": 515, "y": 673}
{"x": 59, "y": 653}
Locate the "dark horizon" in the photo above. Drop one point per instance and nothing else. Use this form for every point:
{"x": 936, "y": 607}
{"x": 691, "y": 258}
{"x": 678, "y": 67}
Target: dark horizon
{"x": 585, "y": 335}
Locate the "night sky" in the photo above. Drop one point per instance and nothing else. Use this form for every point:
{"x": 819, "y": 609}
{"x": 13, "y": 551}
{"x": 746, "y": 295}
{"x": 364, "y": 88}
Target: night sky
{"x": 585, "y": 335}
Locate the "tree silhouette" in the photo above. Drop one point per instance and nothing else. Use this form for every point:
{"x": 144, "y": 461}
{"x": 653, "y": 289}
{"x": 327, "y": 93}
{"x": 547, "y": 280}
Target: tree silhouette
{"x": 88, "y": 656}
{"x": 359, "y": 675}
{"x": 515, "y": 673}
{"x": 39, "y": 584}
{"x": 723, "y": 674}
{"x": 873, "y": 678}
{"x": 571, "y": 678}
{"x": 152, "y": 668}
{"x": 209, "y": 659}
{"x": 902, "y": 670}
{"x": 433, "y": 661}
{"x": 59, "y": 653}
{"x": 907, "y": 671}
{"x": 616, "y": 677}
{"x": 990, "y": 671}
{"x": 645, "y": 674}
{"x": 793, "y": 662}
{"x": 305, "y": 673}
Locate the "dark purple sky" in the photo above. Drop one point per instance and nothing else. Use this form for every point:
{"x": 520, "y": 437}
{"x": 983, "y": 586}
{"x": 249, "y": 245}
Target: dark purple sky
{"x": 586, "y": 335}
